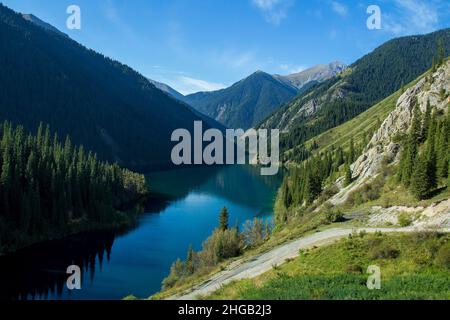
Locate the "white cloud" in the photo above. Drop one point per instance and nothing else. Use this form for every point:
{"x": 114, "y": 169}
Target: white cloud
{"x": 413, "y": 16}
{"x": 187, "y": 85}
{"x": 291, "y": 69}
{"x": 233, "y": 58}
{"x": 274, "y": 11}
{"x": 339, "y": 8}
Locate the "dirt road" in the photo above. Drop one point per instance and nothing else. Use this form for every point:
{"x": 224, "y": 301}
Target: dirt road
{"x": 250, "y": 268}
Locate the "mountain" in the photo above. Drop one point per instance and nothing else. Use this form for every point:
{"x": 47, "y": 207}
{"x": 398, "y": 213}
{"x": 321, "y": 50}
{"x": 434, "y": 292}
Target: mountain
{"x": 167, "y": 89}
{"x": 33, "y": 19}
{"x": 249, "y": 101}
{"x": 366, "y": 82}
{"x": 245, "y": 103}
{"x": 315, "y": 74}
{"x": 102, "y": 104}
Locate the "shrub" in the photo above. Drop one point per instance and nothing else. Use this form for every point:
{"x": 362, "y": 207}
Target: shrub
{"x": 404, "y": 219}
{"x": 367, "y": 192}
{"x": 384, "y": 252}
{"x": 334, "y": 216}
{"x": 222, "y": 244}
{"x": 177, "y": 272}
{"x": 443, "y": 256}
{"x": 354, "y": 268}
{"x": 255, "y": 232}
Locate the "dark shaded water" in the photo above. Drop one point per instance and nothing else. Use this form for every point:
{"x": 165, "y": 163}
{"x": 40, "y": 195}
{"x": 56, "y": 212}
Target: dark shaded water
{"x": 183, "y": 210}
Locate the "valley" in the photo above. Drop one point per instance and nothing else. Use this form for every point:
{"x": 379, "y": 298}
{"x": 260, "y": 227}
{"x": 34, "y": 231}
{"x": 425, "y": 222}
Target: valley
{"x": 149, "y": 193}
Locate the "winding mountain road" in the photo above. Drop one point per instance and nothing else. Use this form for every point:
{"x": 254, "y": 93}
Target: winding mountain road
{"x": 257, "y": 265}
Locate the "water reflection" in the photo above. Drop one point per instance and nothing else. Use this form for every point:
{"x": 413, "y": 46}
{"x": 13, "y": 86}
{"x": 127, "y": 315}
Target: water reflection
{"x": 39, "y": 272}
{"x": 183, "y": 211}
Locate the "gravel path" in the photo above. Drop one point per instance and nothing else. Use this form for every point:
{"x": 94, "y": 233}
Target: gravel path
{"x": 250, "y": 268}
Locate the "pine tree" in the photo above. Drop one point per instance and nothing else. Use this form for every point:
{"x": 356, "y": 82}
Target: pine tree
{"x": 313, "y": 187}
{"x": 443, "y": 148}
{"x": 431, "y": 161}
{"x": 223, "y": 219}
{"x": 426, "y": 122}
{"x": 410, "y": 151}
{"x": 351, "y": 154}
{"x": 448, "y": 178}
{"x": 420, "y": 183}
{"x": 348, "y": 176}
{"x": 441, "y": 53}
{"x": 190, "y": 266}
{"x": 286, "y": 194}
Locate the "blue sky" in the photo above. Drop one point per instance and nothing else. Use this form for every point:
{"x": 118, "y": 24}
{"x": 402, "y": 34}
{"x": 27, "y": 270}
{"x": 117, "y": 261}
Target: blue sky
{"x": 201, "y": 45}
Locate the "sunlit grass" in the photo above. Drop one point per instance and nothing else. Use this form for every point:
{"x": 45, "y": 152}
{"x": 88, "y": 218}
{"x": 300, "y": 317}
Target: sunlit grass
{"x": 410, "y": 269}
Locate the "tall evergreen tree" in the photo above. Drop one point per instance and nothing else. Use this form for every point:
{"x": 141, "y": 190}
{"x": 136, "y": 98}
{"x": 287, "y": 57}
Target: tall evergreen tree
{"x": 410, "y": 150}
{"x": 420, "y": 182}
{"x": 348, "y": 176}
{"x": 223, "y": 219}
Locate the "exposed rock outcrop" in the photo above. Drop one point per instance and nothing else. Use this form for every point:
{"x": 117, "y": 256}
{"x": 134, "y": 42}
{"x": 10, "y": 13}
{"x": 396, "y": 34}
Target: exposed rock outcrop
{"x": 436, "y": 215}
{"x": 382, "y": 145}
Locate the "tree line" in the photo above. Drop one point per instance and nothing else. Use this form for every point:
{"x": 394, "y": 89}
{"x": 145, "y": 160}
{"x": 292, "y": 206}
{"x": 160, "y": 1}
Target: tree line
{"x": 368, "y": 81}
{"x": 306, "y": 182}
{"x": 424, "y": 164}
{"x": 48, "y": 188}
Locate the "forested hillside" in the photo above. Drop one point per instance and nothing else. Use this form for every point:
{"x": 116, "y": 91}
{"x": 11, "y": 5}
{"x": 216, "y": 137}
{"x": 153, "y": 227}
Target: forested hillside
{"x": 245, "y": 103}
{"x": 101, "y": 103}
{"x": 408, "y": 152}
{"x": 49, "y": 189}
{"x": 363, "y": 84}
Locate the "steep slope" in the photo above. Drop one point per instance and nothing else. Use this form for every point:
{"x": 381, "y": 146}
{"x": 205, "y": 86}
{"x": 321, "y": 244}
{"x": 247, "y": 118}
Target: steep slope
{"x": 252, "y": 99}
{"x": 42, "y": 24}
{"x": 245, "y": 103}
{"x": 167, "y": 89}
{"x": 387, "y": 144}
{"x": 363, "y": 84}
{"x": 102, "y": 104}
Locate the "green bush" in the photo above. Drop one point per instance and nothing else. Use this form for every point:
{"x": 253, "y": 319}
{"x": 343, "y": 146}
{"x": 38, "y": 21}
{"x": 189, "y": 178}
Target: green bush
{"x": 367, "y": 192}
{"x": 334, "y": 216}
{"x": 404, "y": 219}
{"x": 443, "y": 256}
{"x": 384, "y": 251}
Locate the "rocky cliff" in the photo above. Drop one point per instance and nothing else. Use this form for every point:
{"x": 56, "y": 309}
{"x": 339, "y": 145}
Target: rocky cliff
{"x": 383, "y": 144}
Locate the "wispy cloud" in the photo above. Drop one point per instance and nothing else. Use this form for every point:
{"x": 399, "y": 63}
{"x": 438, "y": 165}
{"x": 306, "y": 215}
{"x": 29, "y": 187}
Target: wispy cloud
{"x": 291, "y": 69}
{"x": 188, "y": 85}
{"x": 339, "y": 8}
{"x": 412, "y": 16}
{"x": 274, "y": 11}
{"x": 111, "y": 13}
{"x": 236, "y": 59}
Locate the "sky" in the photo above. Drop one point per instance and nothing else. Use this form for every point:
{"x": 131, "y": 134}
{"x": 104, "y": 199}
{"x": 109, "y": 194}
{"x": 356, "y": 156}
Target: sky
{"x": 204, "y": 45}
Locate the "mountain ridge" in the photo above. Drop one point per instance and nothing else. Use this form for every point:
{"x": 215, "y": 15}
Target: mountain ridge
{"x": 357, "y": 88}
{"x": 47, "y": 77}
{"x": 250, "y": 100}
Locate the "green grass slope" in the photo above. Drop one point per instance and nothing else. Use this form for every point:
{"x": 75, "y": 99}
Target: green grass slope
{"x": 413, "y": 266}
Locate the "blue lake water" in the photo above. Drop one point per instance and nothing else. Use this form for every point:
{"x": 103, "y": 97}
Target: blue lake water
{"x": 183, "y": 210}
